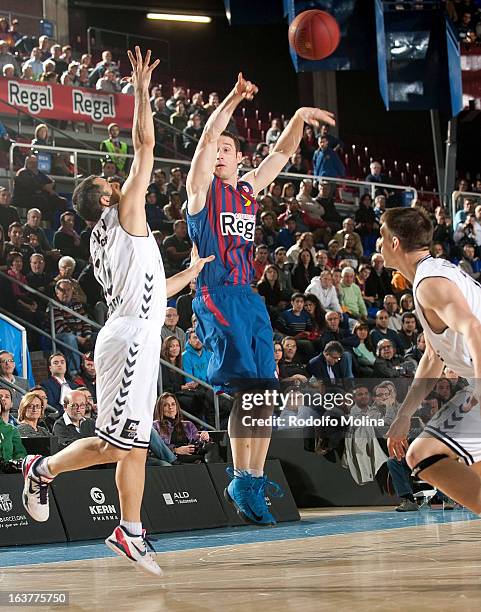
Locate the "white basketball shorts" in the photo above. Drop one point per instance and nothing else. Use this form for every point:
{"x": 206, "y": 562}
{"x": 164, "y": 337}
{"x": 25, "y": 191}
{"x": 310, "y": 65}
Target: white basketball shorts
{"x": 457, "y": 428}
{"x": 126, "y": 357}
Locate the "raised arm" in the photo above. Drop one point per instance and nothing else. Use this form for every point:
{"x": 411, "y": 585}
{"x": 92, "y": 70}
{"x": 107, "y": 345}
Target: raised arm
{"x": 203, "y": 162}
{"x": 285, "y": 146}
{"x": 132, "y": 202}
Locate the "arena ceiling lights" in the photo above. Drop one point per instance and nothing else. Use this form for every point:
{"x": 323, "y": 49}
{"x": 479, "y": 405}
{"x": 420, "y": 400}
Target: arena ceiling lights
{"x": 185, "y": 18}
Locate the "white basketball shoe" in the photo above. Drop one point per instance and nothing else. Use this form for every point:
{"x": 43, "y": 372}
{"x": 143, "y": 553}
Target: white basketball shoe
{"x": 134, "y": 548}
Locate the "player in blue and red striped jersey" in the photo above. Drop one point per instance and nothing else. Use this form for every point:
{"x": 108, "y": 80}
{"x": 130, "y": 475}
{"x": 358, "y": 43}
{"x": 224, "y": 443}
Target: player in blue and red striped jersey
{"x": 232, "y": 320}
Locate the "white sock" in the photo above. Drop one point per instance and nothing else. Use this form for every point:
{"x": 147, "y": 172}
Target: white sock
{"x": 134, "y": 529}
{"x": 41, "y": 469}
{"x": 255, "y": 473}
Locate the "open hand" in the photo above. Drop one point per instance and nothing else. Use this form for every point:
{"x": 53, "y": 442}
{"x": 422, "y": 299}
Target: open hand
{"x": 244, "y": 88}
{"x": 315, "y": 116}
{"x": 397, "y": 437}
{"x": 197, "y": 262}
{"x": 141, "y": 71}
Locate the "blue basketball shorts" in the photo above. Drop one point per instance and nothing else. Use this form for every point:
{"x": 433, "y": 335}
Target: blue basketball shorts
{"x": 232, "y": 323}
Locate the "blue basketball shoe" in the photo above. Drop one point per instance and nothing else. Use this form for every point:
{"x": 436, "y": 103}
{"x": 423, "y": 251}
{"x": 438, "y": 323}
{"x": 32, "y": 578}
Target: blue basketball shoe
{"x": 262, "y": 486}
{"x": 245, "y": 494}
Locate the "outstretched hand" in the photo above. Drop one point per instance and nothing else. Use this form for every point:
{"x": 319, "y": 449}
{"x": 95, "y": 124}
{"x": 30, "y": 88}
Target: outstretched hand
{"x": 244, "y": 88}
{"x": 316, "y": 116}
{"x": 141, "y": 71}
{"x": 397, "y": 442}
{"x": 197, "y": 262}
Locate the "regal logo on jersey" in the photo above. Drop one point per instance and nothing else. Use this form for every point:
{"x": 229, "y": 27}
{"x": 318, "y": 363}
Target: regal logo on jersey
{"x": 238, "y": 224}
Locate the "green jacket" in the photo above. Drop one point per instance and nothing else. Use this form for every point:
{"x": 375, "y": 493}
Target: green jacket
{"x": 11, "y": 446}
{"x": 352, "y": 300}
{"x": 107, "y": 145}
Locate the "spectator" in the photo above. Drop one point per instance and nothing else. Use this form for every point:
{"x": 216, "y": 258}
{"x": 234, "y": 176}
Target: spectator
{"x": 6, "y": 398}
{"x": 304, "y": 271}
{"x": 11, "y": 447}
{"x": 305, "y": 241}
{"x": 44, "y": 46}
{"x": 59, "y": 383}
{"x": 304, "y": 221}
{"x": 334, "y": 332}
{"x": 274, "y": 131}
{"x": 41, "y": 136}
{"x": 113, "y": 145}
{"x": 66, "y": 268}
{"x": 308, "y": 144}
{"x": 177, "y": 248}
{"x": 406, "y": 303}
{"x": 352, "y": 301}
{"x": 322, "y": 287}
{"x": 60, "y": 64}
{"x": 284, "y": 269}
{"x": 363, "y": 273}
{"x": 8, "y": 214}
{"x": 173, "y": 210}
{"x": 156, "y": 218}
{"x": 30, "y": 412}
{"x": 307, "y": 202}
{"x": 317, "y": 313}
{"x": 332, "y": 251}
{"x": 102, "y": 67}
{"x": 32, "y": 226}
{"x": 469, "y": 204}
{"x": 37, "y": 278}
{"x": 401, "y": 479}
{"x": 159, "y": 187}
{"x": 362, "y": 399}
{"x": 376, "y": 176}
{"x": 7, "y": 368}
{"x": 7, "y": 58}
{"x": 443, "y": 231}
{"x": 49, "y": 76}
{"x": 469, "y": 231}
{"x": 365, "y": 220}
{"x": 108, "y": 83}
{"x": 290, "y": 368}
{"x": 364, "y": 351}
{"x": 286, "y": 238}
{"x": 261, "y": 259}
{"x": 469, "y": 263}
{"x": 68, "y": 328}
{"x": 34, "y": 189}
{"x": 109, "y": 169}
{"x": 296, "y": 165}
{"x": 87, "y": 377}
{"x": 191, "y": 134}
{"x": 387, "y": 365}
{"x": 381, "y": 331}
{"x": 326, "y": 161}
{"x": 73, "y": 425}
{"x": 66, "y": 239}
{"x": 270, "y": 289}
{"x": 8, "y": 71}
{"x": 195, "y": 357}
{"x": 268, "y": 221}
{"x": 178, "y": 119}
{"x": 379, "y": 207}
{"x": 378, "y": 285}
{"x": 348, "y": 228}
{"x": 331, "y": 366}
{"x": 170, "y": 327}
{"x": 17, "y": 244}
{"x": 392, "y": 308}
{"x": 182, "y": 437}
{"x": 348, "y": 253}
{"x": 176, "y": 183}
{"x": 408, "y": 334}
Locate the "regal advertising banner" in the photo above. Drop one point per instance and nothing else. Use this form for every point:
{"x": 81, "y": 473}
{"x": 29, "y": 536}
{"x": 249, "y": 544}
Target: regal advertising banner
{"x": 62, "y": 102}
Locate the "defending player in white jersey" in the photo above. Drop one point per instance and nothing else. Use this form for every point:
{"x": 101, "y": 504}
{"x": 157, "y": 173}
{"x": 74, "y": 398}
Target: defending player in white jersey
{"x": 127, "y": 264}
{"x": 448, "y": 302}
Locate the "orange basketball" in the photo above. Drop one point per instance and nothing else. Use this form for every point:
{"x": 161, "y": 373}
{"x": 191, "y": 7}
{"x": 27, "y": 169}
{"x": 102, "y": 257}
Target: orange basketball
{"x": 314, "y": 34}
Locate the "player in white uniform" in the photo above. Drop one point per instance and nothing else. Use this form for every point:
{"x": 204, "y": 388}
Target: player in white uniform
{"x": 127, "y": 264}
{"x": 448, "y": 303}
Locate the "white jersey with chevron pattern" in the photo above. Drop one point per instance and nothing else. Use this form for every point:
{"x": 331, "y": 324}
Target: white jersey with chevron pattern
{"x": 449, "y": 345}
{"x": 129, "y": 269}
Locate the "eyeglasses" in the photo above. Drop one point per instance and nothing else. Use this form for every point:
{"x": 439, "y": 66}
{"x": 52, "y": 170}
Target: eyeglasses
{"x": 75, "y": 406}
{"x": 7, "y": 360}
{"x": 33, "y": 407}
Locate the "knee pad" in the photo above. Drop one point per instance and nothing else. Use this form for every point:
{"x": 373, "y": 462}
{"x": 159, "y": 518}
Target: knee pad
{"x": 425, "y": 463}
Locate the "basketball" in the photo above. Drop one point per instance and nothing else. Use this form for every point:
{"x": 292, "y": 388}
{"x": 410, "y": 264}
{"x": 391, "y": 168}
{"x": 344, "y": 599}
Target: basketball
{"x": 314, "y": 34}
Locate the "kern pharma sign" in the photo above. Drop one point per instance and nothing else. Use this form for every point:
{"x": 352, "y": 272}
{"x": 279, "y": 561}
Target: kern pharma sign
{"x": 61, "y": 102}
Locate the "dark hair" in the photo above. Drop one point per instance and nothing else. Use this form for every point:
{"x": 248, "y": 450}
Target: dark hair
{"x": 67, "y": 213}
{"x": 164, "y": 352}
{"x": 14, "y": 225}
{"x": 12, "y": 256}
{"x": 412, "y": 227}
{"x": 86, "y": 199}
{"x": 333, "y": 347}
{"x": 408, "y": 315}
{"x": 318, "y": 318}
{"x": 57, "y": 354}
{"x": 296, "y": 295}
{"x": 163, "y": 423}
{"x": 236, "y": 140}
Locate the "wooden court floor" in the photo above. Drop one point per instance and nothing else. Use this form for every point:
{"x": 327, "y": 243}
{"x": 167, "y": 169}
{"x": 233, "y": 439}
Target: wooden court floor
{"x": 434, "y": 566}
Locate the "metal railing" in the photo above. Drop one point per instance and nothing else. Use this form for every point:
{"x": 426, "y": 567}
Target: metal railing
{"x": 53, "y": 338}
{"x": 458, "y": 196}
{"x": 127, "y": 40}
{"x": 48, "y": 408}
{"x": 361, "y": 186}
